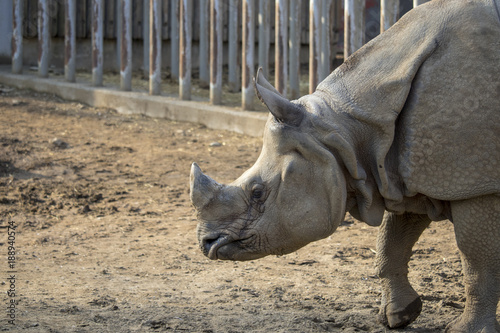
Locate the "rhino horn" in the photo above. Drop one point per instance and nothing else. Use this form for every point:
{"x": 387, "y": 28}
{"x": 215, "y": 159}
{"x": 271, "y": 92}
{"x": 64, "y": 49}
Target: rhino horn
{"x": 281, "y": 108}
{"x": 202, "y": 187}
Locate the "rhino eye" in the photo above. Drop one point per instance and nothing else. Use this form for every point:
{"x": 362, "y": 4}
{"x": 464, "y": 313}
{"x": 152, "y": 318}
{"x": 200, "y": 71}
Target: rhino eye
{"x": 257, "y": 192}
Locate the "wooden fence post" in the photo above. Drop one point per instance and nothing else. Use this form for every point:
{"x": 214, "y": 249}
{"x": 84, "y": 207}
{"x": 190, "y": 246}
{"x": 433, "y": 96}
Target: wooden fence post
{"x": 126, "y": 46}
{"x": 97, "y": 41}
{"x": 354, "y": 26}
{"x": 247, "y": 55}
{"x": 185, "y": 18}
{"x": 418, "y": 2}
{"x": 70, "y": 41}
{"x": 294, "y": 64}
{"x": 233, "y": 45}
{"x": 174, "y": 39}
{"x": 204, "y": 43}
{"x": 155, "y": 43}
{"x": 216, "y": 51}
{"x": 314, "y": 44}
{"x": 119, "y": 25}
{"x": 146, "y": 13}
{"x": 264, "y": 35}
{"x": 281, "y": 46}
{"x": 17, "y": 37}
{"x": 324, "y": 67}
{"x": 389, "y": 13}
{"x": 43, "y": 38}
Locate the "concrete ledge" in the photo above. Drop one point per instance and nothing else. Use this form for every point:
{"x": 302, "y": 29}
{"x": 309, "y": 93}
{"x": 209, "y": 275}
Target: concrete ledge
{"x": 130, "y": 102}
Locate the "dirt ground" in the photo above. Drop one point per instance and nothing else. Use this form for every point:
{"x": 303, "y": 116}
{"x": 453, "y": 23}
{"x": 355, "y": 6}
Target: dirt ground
{"x": 105, "y": 236}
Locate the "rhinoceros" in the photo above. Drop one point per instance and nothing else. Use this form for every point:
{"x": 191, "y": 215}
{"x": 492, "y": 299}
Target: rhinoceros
{"x": 406, "y": 131}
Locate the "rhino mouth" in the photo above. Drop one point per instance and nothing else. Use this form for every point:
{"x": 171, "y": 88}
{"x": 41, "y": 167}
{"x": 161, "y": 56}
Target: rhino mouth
{"x": 212, "y": 243}
{"x": 220, "y": 246}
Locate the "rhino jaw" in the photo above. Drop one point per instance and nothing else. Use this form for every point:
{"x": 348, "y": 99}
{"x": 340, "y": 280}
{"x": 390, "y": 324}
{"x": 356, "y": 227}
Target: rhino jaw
{"x": 202, "y": 187}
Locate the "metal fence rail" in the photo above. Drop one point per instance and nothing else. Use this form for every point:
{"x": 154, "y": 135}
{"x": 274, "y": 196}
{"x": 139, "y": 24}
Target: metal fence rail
{"x": 245, "y": 26}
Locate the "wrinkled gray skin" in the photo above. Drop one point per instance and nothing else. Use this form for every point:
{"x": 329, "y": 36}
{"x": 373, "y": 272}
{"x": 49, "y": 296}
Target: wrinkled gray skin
{"x": 406, "y": 131}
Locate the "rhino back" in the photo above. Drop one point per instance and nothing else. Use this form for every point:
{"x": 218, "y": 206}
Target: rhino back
{"x": 448, "y": 134}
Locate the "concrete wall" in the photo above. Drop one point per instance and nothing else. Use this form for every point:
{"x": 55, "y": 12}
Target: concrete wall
{"x": 5, "y": 31}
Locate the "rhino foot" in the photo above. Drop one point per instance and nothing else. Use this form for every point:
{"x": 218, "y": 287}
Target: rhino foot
{"x": 460, "y": 325}
{"x": 394, "y": 316}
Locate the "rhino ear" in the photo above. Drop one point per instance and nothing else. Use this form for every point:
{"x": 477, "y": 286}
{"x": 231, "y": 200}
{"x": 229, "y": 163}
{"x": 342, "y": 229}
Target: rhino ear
{"x": 282, "y": 109}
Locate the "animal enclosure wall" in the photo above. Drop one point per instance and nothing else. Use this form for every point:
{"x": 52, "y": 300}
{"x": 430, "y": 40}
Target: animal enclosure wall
{"x": 220, "y": 43}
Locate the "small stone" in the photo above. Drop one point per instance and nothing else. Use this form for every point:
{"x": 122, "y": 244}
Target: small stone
{"x": 85, "y": 209}
{"x": 215, "y": 144}
{"x": 58, "y": 143}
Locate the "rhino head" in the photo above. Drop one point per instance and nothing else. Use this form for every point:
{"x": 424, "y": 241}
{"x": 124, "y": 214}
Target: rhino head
{"x": 294, "y": 194}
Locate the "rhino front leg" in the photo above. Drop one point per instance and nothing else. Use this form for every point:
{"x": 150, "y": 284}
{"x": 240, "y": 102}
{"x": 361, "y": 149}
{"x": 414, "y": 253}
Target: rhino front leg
{"x": 400, "y": 304}
{"x": 477, "y": 230}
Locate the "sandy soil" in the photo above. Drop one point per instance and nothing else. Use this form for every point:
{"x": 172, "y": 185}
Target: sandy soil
{"x": 105, "y": 236}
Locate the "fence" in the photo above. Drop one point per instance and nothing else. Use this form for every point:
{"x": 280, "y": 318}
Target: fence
{"x": 244, "y": 26}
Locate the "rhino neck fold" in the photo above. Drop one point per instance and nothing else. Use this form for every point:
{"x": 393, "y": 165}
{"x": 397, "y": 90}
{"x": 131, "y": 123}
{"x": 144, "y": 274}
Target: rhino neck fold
{"x": 346, "y": 144}
{"x": 355, "y": 109}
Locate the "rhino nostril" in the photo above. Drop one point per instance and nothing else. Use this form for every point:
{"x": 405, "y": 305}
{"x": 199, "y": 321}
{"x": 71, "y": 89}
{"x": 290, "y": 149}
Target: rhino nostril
{"x": 211, "y": 243}
{"x": 208, "y": 242}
